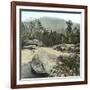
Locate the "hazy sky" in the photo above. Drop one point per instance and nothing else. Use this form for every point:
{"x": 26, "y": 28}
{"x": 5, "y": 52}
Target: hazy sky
{"x": 30, "y": 15}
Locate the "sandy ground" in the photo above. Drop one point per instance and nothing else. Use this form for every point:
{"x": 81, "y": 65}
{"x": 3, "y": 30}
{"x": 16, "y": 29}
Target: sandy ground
{"x": 27, "y": 55}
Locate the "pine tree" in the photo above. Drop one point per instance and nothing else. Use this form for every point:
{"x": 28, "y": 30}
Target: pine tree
{"x": 69, "y": 31}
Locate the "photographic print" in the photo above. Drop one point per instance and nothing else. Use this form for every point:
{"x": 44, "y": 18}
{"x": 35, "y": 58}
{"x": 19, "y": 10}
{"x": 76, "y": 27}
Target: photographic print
{"x": 49, "y": 44}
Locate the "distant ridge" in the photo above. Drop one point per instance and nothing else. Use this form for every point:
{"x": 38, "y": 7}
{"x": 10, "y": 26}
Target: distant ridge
{"x": 54, "y": 24}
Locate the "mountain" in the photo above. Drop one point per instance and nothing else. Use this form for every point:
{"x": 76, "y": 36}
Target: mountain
{"x": 54, "y": 24}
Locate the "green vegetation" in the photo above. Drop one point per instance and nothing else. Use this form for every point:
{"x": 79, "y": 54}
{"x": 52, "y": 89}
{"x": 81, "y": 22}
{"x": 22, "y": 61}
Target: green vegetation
{"x": 67, "y": 66}
{"x": 35, "y": 30}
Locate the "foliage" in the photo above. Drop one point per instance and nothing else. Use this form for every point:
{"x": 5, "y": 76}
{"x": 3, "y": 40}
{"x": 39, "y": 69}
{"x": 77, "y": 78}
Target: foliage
{"x": 24, "y": 35}
{"x": 72, "y": 35}
{"x": 67, "y": 66}
{"x": 76, "y": 35}
{"x": 49, "y": 37}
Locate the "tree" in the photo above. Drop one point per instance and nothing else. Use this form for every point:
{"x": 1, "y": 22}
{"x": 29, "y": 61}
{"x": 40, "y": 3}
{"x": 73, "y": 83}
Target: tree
{"x": 76, "y": 35}
{"x": 69, "y": 31}
{"x": 31, "y": 28}
{"x": 35, "y": 29}
{"x": 24, "y": 35}
{"x": 39, "y": 25}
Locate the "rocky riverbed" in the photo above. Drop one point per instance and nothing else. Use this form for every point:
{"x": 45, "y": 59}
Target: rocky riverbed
{"x": 49, "y": 62}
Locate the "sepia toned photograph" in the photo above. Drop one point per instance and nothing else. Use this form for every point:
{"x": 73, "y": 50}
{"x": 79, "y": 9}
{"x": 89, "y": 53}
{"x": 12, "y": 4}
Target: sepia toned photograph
{"x": 50, "y": 44}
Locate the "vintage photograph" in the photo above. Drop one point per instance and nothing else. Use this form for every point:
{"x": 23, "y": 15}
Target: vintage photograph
{"x": 49, "y": 43}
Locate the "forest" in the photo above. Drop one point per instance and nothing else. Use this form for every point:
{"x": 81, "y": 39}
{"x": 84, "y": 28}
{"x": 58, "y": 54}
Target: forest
{"x": 49, "y": 37}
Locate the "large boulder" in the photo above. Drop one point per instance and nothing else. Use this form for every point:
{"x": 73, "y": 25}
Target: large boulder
{"x": 43, "y": 62}
{"x": 37, "y": 65}
{"x": 34, "y": 42}
{"x": 30, "y": 47}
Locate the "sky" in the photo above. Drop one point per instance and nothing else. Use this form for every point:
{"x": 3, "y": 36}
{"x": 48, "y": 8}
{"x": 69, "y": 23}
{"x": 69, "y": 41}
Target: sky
{"x": 30, "y": 15}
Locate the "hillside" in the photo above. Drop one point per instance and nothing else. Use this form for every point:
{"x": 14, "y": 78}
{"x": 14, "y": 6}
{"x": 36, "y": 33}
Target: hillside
{"x": 54, "y": 24}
